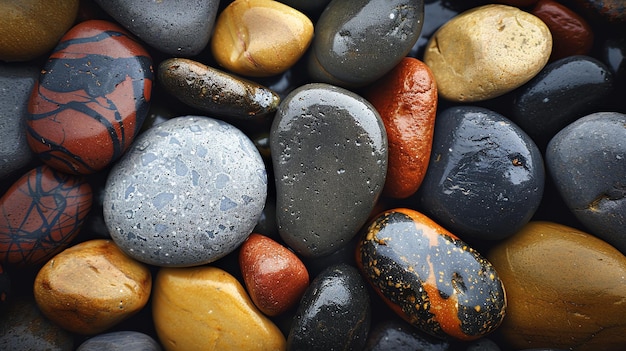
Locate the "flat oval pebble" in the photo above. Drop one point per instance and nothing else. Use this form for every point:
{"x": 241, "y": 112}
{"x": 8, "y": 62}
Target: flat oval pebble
{"x": 92, "y": 286}
{"x": 30, "y": 28}
{"x": 16, "y": 84}
{"x": 23, "y": 327}
{"x": 565, "y": 289}
{"x": 329, "y": 152}
{"x": 180, "y": 28}
{"x": 120, "y": 341}
{"x": 41, "y": 214}
{"x": 207, "y": 308}
{"x": 406, "y": 99}
{"x": 357, "y": 42}
{"x": 429, "y": 277}
{"x": 334, "y": 313}
{"x": 586, "y": 161}
{"x": 91, "y": 98}
{"x": 571, "y": 34}
{"x": 562, "y": 92}
{"x": 216, "y": 92}
{"x": 260, "y": 38}
{"x": 274, "y": 276}
{"x": 395, "y": 334}
{"x": 486, "y": 52}
{"x": 486, "y": 176}
{"x": 188, "y": 192}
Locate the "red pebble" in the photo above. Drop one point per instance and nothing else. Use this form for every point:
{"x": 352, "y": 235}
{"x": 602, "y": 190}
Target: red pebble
{"x": 274, "y": 276}
{"x": 571, "y": 34}
{"x": 406, "y": 99}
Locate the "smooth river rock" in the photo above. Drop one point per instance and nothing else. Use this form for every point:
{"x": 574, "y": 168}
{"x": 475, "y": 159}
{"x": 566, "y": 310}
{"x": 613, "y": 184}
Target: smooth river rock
{"x": 486, "y": 52}
{"x": 429, "y": 277}
{"x": 357, "y": 42}
{"x": 180, "y": 28}
{"x": 486, "y": 176}
{"x": 329, "y": 152}
{"x": 206, "y": 308}
{"x": 120, "y": 341}
{"x": 587, "y": 162}
{"x": 189, "y": 192}
{"x": 92, "y": 286}
{"x": 566, "y": 289}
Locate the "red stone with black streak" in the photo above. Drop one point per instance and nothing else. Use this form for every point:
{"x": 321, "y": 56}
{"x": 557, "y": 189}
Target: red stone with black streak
{"x": 41, "y": 214}
{"x": 429, "y": 277}
{"x": 91, "y": 98}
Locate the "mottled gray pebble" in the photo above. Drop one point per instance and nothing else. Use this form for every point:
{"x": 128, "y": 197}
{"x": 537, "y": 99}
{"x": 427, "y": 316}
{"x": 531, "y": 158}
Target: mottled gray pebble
{"x": 16, "y": 84}
{"x": 181, "y": 28}
{"x": 120, "y": 341}
{"x": 188, "y": 192}
{"x": 329, "y": 152}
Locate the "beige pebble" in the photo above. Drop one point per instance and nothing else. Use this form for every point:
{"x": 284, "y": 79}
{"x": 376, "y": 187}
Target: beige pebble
{"x": 91, "y": 287}
{"x": 486, "y": 52}
{"x": 260, "y": 38}
{"x": 206, "y": 308}
{"x": 566, "y": 289}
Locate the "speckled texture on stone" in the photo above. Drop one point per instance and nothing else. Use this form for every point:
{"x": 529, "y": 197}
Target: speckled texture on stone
{"x": 188, "y": 192}
{"x": 586, "y": 161}
{"x": 16, "y": 83}
{"x": 181, "y": 28}
{"x": 329, "y": 151}
{"x": 120, "y": 341}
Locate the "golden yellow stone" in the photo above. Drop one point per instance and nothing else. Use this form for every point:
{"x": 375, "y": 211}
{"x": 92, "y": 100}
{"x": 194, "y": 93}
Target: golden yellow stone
{"x": 566, "y": 289}
{"x": 30, "y": 28}
{"x": 206, "y": 308}
{"x": 260, "y": 38}
{"x": 486, "y": 52}
{"x": 91, "y": 287}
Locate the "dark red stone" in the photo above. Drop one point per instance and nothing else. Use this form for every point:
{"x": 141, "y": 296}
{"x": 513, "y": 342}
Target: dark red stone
{"x": 571, "y": 34}
{"x": 91, "y": 98}
{"x": 41, "y": 214}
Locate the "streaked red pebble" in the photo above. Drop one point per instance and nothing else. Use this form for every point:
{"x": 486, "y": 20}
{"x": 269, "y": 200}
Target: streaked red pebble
{"x": 571, "y": 34}
{"x": 406, "y": 99}
{"x": 274, "y": 276}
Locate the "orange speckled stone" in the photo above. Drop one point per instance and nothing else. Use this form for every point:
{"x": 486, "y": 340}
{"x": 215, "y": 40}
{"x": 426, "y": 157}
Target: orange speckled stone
{"x": 274, "y": 276}
{"x": 406, "y": 99}
{"x": 571, "y": 34}
{"x": 566, "y": 289}
{"x": 206, "y": 308}
{"x": 92, "y": 286}
{"x": 260, "y": 38}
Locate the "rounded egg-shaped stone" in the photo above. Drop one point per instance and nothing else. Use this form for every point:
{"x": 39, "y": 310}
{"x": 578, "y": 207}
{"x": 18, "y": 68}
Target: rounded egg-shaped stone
{"x": 357, "y": 42}
{"x": 485, "y": 178}
{"x": 429, "y": 277}
{"x": 487, "y": 51}
{"x": 120, "y": 340}
{"x": 188, "y": 192}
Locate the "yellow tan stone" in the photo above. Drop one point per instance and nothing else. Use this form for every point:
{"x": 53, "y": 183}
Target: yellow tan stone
{"x": 91, "y": 287}
{"x": 206, "y": 308}
{"x": 566, "y": 289}
{"x": 486, "y": 52}
{"x": 260, "y": 38}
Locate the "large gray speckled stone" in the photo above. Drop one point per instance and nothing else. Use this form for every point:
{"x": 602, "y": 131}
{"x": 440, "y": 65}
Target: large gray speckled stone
{"x": 587, "y": 160}
{"x": 188, "y": 192}
{"x": 329, "y": 152}
{"x": 120, "y": 341}
{"x": 181, "y": 28}
{"x": 16, "y": 84}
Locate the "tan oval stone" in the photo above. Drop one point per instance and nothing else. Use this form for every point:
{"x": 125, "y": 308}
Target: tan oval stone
{"x": 91, "y": 287}
{"x": 565, "y": 289}
{"x": 30, "y": 28}
{"x": 486, "y": 52}
{"x": 206, "y": 308}
{"x": 260, "y": 38}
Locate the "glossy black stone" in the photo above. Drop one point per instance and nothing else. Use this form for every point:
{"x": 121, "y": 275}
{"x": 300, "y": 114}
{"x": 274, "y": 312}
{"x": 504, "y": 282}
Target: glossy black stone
{"x": 334, "y": 313}
{"x": 563, "y": 91}
{"x": 587, "y": 161}
{"x": 395, "y": 334}
{"x": 485, "y": 178}
{"x": 120, "y": 341}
